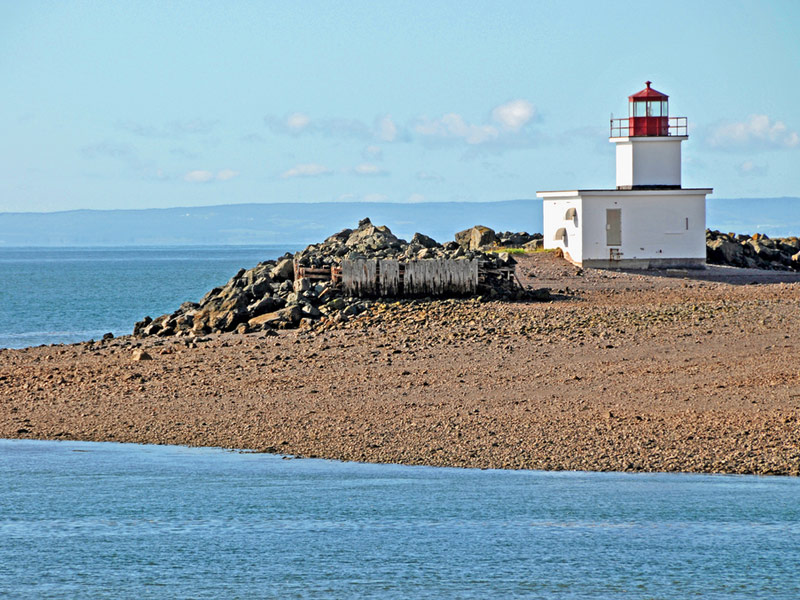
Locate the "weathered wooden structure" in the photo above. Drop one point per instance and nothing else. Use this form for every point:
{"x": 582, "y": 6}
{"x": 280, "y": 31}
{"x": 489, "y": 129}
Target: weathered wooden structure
{"x": 391, "y": 278}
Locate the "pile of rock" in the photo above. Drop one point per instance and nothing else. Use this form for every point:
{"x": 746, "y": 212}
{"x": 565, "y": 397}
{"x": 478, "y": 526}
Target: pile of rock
{"x": 269, "y": 296}
{"x": 482, "y": 238}
{"x": 756, "y": 251}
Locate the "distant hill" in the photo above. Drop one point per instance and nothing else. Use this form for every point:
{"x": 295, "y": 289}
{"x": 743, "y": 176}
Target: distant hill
{"x": 288, "y": 223}
{"x": 776, "y": 217}
{"x": 254, "y": 224}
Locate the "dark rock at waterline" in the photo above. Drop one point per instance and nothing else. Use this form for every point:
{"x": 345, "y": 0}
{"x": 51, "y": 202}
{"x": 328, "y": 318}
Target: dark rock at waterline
{"x": 756, "y": 252}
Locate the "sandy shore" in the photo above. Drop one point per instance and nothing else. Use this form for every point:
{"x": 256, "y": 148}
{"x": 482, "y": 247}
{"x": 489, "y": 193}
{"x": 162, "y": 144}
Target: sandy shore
{"x": 663, "y": 371}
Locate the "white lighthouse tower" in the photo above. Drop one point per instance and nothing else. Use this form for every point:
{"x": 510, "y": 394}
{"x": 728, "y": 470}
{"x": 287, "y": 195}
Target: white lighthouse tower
{"x": 649, "y": 220}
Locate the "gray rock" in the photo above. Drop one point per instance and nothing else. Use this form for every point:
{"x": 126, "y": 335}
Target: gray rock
{"x": 310, "y": 311}
{"x": 139, "y": 354}
{"x": 302, "y": 285}
{"x": 265, "y": 305}
{"x": 725, "y": 251}
{"x": 534, "y": 244}
{"x": 476, "y": 237}
{"x": 424, "y": 241}
{"x": 283, "y": 271}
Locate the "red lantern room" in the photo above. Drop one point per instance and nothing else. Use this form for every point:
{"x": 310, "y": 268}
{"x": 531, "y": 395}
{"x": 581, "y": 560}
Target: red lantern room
{"x": 648, "y": 113}
{"x": 648, "y": 116}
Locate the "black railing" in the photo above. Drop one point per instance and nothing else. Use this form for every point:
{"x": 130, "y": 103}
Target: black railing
{"x": 622, "y": 127}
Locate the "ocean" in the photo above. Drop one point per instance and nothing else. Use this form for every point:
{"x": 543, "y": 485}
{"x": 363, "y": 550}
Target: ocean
{"x": 67, "y": 295}
{"x": 104, "y": 520}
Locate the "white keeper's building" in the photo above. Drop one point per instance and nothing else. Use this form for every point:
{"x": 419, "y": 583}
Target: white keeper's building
{"x": 649, "y": 220}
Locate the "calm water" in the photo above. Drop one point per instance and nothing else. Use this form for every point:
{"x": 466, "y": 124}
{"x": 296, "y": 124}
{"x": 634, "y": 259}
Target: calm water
{"x": 126, "y": 521}
{"x": 64, "y": 295}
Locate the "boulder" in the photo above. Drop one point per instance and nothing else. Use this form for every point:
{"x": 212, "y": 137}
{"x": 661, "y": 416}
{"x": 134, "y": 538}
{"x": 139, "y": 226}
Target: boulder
{"x": 724, "y": 251}
{"x": 476, "y": 237}
{"x": 424, "y": 241}
{"x": 290, "y": 315}
{"x": 338, "y": 238}
{"x": 139, "y": 354}
{"x": 139, "y": 326}
{"x": 533, "y": 245}
{"x": 283, "y": 271}
{"x": 369, "y": 237}
{"x": 302, "y": 285}
{"x": 508, "y": 239}
{"x": 763, "y": 248}
{"x": 266, "y": 304}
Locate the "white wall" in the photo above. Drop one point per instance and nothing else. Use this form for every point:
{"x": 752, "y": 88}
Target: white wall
{"x": 648, "y": 161}
{"x": 653, "y": 226}
{"x": 553, "y": 218}
{"x": 624, "y": 164}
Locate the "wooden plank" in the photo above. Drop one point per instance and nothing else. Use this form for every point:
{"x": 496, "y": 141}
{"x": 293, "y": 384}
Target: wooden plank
{"x": 316, "y": 270}
{"x": 359, "y": 277}
{"x": 439, "y": 277}
{"x": 429, "y": 277}
{"x": 389, "y": 278}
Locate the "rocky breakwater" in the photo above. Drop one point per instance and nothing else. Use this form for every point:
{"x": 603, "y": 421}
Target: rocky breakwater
{"x": 757, "y": 251}
{"x": 483, "y": 238}
{"x": 272, "y": 295}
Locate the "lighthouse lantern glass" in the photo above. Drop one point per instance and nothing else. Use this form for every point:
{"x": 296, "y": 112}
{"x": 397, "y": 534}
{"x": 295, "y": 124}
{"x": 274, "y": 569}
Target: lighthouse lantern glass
{"x": 649, "y": 108}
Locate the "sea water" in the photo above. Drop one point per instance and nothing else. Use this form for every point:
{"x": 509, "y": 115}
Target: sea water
{"x": 67, "y": 295}
{"x": 101, "y": 520}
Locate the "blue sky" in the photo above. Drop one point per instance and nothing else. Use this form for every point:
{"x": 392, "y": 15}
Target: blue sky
{"x": 160, "y": 104}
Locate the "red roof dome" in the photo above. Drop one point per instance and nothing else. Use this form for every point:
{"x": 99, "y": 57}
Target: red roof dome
{"x": 648, "y": 93}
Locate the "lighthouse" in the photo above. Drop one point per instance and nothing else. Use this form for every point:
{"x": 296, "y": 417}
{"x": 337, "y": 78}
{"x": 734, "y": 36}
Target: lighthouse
{"x": 649, "y": 220}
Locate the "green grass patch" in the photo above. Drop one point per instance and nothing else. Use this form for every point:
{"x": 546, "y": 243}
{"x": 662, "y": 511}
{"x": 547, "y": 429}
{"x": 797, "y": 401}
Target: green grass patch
{"x": 519, "y": 250}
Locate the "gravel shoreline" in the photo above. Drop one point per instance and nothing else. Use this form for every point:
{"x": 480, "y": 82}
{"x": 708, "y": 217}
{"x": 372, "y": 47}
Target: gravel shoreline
{"x": 655, "y": 371}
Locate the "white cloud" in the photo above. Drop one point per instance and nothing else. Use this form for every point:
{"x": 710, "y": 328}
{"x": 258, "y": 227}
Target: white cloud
{"x": 749, "y": 168}
{"x": 368, "y": 169}
{"x": 306, "y": 170}
{"x": 297, "y": 121}
{"x": 203, "y": 176}
{"x": 227, "y": 174}
{"x": 503, "y": 130}
{"x": 198, "y": 176}
{"x": 512, "y": 116}
{"x": 757, "y": 131}
{"x": 415, "y": 199}
{"x": 453, "y": 126}
{"x": 385, "y": 129}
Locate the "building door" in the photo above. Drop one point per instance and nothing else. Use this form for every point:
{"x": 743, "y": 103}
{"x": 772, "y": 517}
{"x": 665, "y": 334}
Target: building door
{"x": 613, "y": 227}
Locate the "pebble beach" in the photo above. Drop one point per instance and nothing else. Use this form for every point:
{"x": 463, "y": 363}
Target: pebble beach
{"x": 676, "y": 371}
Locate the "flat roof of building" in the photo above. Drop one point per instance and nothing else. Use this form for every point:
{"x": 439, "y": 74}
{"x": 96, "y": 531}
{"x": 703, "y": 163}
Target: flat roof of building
{"x": 616, "y": 192}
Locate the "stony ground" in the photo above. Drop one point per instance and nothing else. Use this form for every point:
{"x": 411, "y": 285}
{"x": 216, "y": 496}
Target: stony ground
{"x": 662, "y": 371}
